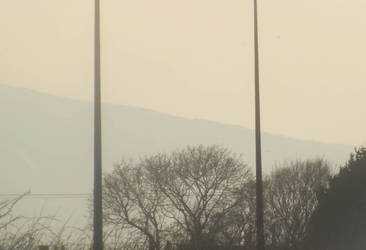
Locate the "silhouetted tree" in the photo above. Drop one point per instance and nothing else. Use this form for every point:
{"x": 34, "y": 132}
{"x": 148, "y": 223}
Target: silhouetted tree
{"x": 133, "y": 204}
{"x": 240, "y": 223}
{"x": 203, "y": 185}
{"x": 204, "y": 198}
{"x": 339, "y": 222}
{"x": 185, "y": 197}
{"x": 291, "y": 197}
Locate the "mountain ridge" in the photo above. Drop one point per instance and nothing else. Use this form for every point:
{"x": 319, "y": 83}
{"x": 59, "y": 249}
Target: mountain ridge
{"x": 47, "y": 135}
{"x": 47, "y": 146}
{"x": 167, "y": 114}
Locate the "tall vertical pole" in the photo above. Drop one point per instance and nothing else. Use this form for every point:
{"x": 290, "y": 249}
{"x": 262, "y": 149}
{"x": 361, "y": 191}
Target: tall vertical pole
{"x": 259, "y": 184}
{"x": 98, "y": 213}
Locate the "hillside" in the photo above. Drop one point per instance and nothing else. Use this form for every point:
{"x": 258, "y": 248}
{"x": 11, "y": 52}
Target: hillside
{"x": 46, "y": 141}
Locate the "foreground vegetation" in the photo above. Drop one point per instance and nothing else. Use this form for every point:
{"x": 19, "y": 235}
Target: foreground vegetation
{"x": 203, "y": 198}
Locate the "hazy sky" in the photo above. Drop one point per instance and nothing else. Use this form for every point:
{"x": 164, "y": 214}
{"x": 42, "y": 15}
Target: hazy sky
{"x": 194, "y": 58}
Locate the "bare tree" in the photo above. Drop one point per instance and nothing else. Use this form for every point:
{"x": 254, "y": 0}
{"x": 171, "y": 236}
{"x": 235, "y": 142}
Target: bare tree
{"x": 133, "y": 204}
{"x": 204, "y": 198}
{"x": 240, "y": 229}
{"x": 186, "y": 198}
{"x": 6, "y": 209}
{"x": 21, "y": 232}
{"x": 202, "y": 186}
{"x": 291, "y": 197}
{"x": 11, "y": 237}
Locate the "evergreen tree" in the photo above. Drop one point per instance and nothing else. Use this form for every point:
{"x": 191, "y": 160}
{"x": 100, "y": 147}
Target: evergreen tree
{"x": 339, "y": 222}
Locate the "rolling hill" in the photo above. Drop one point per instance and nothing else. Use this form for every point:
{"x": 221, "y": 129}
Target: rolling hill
{"x": 47, "y": 144}
{"x": 47, "y": 141}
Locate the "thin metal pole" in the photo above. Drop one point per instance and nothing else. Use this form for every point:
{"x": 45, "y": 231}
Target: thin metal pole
{"x": 259, "y": 184}
{"x": 98, "y": 213}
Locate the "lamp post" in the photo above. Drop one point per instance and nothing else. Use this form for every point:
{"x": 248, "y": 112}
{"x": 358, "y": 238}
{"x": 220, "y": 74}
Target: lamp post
{"x": 259, "y": 183}
{"x": 98, "y": 213}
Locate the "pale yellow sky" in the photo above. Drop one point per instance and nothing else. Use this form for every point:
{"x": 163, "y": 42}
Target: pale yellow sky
{"x": 194, "y": 58}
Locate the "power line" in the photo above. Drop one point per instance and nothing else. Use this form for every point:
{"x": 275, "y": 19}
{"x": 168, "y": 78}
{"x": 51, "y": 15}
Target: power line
{"x": 49, "y": 195}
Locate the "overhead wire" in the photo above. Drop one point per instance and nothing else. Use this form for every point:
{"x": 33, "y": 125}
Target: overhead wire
{"x": 48, "y": 195}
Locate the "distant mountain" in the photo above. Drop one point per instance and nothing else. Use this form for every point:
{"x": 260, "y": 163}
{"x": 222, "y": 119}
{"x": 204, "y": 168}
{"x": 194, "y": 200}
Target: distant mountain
{"x": 47, "y": 141}
{"x": 46, "y": 146}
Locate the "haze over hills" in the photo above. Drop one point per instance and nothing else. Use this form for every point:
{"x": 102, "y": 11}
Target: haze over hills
{"x": 47, "y": 141}
{"x": 47, "y": 145}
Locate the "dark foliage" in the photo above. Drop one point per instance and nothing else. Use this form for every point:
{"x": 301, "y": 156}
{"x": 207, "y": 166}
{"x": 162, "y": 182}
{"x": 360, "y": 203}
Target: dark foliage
{"x": 339, "y": 222}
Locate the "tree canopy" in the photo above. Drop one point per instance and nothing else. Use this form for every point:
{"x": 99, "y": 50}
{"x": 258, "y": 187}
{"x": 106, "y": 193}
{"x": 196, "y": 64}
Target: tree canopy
{"x": 291, "y": 198}
{"x": 203, "y": 197}
{"x": 185, "y": 196}
{"x": 339, "y": 222}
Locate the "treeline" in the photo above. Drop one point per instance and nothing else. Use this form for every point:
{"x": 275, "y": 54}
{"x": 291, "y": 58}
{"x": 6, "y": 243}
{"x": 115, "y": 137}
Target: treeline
{"x": 203, "y": 198}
